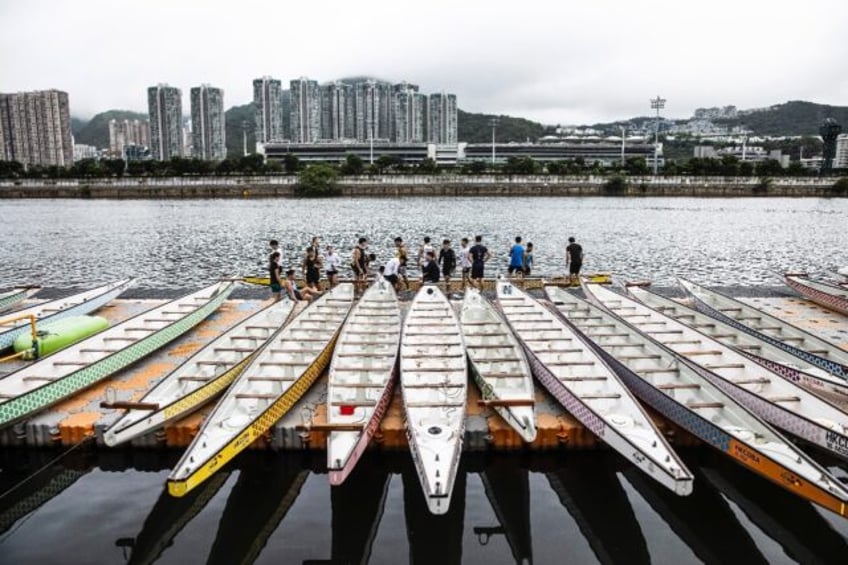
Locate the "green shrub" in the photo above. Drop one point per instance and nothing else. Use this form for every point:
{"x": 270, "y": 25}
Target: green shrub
{"x": 318, "y": 180}
{"x": 615, "y": 186}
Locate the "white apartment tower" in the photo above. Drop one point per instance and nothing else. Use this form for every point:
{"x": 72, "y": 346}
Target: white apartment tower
{"x": 305, "y": 111}
{"x": 268, "y": 101}
{"x": 35, "y": 128}
{"x": 442, "y": 119}
{"x": 208, "y": 140}
{"x": 165, "y": 108}
{"x": 337, "y": 112}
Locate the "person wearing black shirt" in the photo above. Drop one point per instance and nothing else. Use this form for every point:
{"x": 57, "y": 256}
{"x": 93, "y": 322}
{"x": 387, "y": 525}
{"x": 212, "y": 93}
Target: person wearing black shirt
{"x": 573, "y": 260}
{"x": 479, "y": 255}
{"x": 430, "y": 271}
{"x": 447, "y": 259}
{"x": 275, "y": 258}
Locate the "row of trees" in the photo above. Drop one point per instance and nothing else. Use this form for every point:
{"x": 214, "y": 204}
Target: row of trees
{"x": 728, "y": 166}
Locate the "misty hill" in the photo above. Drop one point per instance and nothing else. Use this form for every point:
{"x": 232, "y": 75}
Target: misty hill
{"x": 96, "y": 131}
{"x": 791, "y": 118}
{"x": 237, "y": 120}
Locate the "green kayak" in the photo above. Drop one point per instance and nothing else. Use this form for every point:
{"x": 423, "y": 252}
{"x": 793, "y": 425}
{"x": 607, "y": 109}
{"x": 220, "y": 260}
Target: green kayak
{"x": 59, "y": 334}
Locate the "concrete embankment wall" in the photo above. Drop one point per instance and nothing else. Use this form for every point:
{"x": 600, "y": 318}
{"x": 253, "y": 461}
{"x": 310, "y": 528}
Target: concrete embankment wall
{"x": 416, "y": 185}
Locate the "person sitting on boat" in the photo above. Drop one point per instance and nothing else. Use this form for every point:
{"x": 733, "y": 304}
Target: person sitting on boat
{"x": 298, "y": 293}
{"x": 391, "y": 272}
{"x": 430, "y": 271}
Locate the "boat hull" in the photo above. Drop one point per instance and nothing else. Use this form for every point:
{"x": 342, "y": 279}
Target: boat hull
{"x": 831, "y": 297}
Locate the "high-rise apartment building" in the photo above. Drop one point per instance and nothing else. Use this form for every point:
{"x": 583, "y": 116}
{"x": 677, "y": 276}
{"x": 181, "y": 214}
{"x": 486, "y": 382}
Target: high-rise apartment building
{"x": 35, "y": 128}
{"x": 373, "y": 110}
{"x": 305, "y": 111}
{"x": 208, "y": 140}
{"x": 409, "y": 109}
{"x": 165, "y": 108}
{"x": 337, "y": 112}
{"x": 127, "y": 132}
{"x": 268, "y": 101}
{"x": 287, "y": 107}
{"x": 442, "y": 119}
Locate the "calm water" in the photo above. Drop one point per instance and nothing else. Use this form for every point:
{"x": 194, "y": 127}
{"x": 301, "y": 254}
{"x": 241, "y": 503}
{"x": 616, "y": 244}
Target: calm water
{"x": 109, "y": 507}
{"x": 279, "y": 508}
{"x": 184, "y": 244}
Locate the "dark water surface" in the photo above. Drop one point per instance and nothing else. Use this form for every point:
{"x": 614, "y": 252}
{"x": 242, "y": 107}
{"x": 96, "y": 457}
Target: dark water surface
{"x": 279, "y": 508}
{"x": 185, "y": 243}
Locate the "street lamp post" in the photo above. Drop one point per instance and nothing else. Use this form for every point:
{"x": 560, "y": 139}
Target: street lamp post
{"x": 657, "y": 104}
{"x": 623, "y": 134}
{"x": 494, "y": 123}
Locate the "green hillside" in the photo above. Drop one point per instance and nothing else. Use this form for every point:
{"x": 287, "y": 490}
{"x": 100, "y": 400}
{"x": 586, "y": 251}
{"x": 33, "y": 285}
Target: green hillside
{"x": 237, "y": 119}
{"x": 96, "y": 131}
{"x": 476, "y": 128}
{"x": 791, "y": 118}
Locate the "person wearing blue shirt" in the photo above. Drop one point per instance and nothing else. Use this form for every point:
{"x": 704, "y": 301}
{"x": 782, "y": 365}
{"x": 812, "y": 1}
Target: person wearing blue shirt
{"x": 516, "y": 258}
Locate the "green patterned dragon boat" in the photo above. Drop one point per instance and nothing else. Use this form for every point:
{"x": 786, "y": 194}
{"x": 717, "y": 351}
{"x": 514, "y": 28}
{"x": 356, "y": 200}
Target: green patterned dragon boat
{"x": 61, "y": 375}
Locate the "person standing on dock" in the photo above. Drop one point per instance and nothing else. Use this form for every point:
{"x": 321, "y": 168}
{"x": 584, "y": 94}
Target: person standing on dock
{"x": 423, "y": 253}
{"x": 447, "y": 259}
{"x": 403, "y": 259}
{"x": 332, "y": 262}
{"x": 573, "y": 260}
{"x": 430, "y": 271}
{"x": 516, "y": 258}
{"x": 479, "y": 255}
{"x": 391, "y": 272}
{"x": 311, "y": 268}
{"x": 528, "y": 259}
{"x": 359, "y": 263}
{"x": 274, "y": 269}
{"x": 464, "y": 262}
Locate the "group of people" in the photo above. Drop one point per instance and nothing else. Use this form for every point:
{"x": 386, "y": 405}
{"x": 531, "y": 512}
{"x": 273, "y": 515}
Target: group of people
{"x": 434, "y": 266}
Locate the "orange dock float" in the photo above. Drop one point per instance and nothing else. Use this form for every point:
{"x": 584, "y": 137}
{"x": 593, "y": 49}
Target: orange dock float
{"x": 81, "y": 417}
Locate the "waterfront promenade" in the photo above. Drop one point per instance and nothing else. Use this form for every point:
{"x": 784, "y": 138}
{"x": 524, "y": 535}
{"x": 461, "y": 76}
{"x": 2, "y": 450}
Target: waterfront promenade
{"x": 419, "y": 185}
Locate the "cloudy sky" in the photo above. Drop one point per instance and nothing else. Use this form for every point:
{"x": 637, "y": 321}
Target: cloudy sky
{"x": 558, "y": 62}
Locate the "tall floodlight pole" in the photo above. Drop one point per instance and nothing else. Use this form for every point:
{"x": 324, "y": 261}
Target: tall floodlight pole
{"x": 244, "y": 136}
{"x": 623, "y": 134}
{"x": 371, "y": 139}
{"x": 657, "y": 104}
{"x": 494, "y": 123}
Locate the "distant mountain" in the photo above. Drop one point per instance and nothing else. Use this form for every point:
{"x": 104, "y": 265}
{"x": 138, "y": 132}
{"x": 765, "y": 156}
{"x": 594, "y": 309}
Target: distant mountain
{"x": 791, "y": 118}
{"x": 96, "y": 131}
{"x": 477, "y": 128}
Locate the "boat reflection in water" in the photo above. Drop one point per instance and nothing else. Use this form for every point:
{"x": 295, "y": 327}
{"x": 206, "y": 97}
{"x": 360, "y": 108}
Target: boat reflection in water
{"x": 588, "y": 486}
{"x": 357, "y": 506}
{"x": 797, "y": 526}
{"x": 507, "y": 487}
{"x": 703, "y": 520}
{"x": 24, "y": 494}
{"x": 265, "y": 491}
{"x": 433, "y": 538}
{"x": 167, "y": 519}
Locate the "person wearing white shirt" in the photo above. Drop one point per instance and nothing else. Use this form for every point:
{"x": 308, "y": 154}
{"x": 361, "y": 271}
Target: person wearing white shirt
{"x": 332, "y": 262}
{"x": 391, "y": 270}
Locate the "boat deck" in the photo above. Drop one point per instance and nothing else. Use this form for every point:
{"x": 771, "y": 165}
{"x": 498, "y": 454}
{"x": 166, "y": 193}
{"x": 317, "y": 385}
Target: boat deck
{"x": 71, "y": 421}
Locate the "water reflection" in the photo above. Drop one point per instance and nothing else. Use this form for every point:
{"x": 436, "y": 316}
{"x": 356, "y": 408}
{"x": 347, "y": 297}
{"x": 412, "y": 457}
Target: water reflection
{"x": 167, "y": 519}
{"x": 703, "y": 520}
{"x": 433, "y": 538}
{"x": 593, "y": 495}
{"x": 260, "y": 499}
{"x": 795, "y": 525}
{"x": 507, "y": 487}
{"x": 279, "y": 507}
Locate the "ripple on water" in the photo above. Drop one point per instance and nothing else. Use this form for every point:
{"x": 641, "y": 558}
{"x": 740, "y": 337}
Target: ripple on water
{"x": 178, "y": 244}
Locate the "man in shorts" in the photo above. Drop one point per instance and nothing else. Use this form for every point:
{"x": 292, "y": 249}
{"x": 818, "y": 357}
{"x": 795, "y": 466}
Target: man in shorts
{"x": 516, "y": 258}
{"x": 403, "y": 259}
{"x": 332, "y": 262}
{"x": 359, "y": 263}
{"x": 464, "y": 262}
{"x": 479, "y": 255}
{"x": 573, "y": 260}
{"x": 391, "y": 270}
{"x": 447, "y": 259}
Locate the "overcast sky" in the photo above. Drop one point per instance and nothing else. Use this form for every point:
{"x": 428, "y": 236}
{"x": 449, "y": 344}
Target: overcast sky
{"x": 555, "y": 61}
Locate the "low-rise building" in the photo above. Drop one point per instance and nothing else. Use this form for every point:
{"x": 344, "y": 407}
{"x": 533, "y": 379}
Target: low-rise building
{"x": 840, "y": 159}
{"x": 83, "y": 151}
